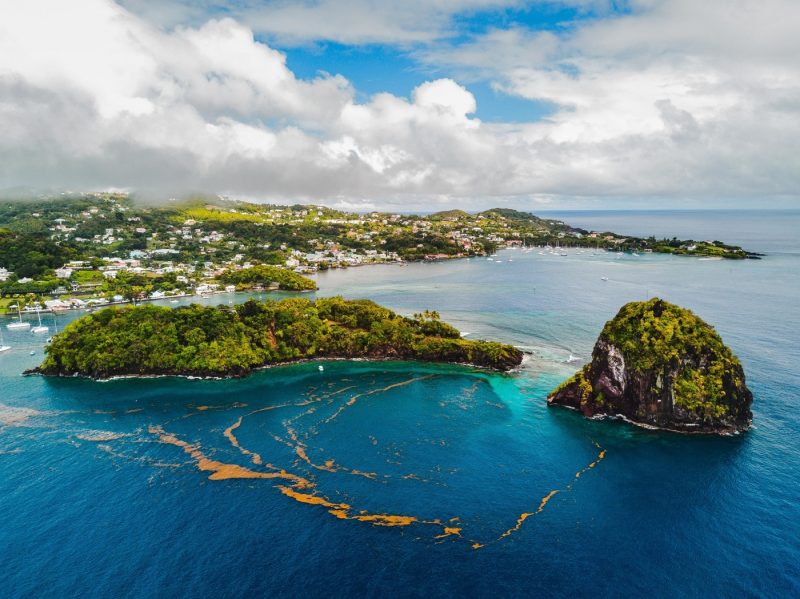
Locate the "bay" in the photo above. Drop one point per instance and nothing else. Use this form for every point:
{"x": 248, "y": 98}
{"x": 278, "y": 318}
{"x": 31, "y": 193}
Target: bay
{"x": 98, "y": 500}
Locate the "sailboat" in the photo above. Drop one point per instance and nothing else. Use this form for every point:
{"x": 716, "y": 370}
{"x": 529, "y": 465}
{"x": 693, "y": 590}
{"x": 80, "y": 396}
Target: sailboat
{"x": 55, "y": 326}
{"x": 18, "y": 326}
{"x": 41, "y": 328}
{"x": 3, "y": 346}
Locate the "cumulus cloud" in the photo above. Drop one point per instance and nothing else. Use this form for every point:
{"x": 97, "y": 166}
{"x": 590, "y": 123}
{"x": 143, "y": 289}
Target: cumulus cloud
{"x": 673, "y": 98}
{"x": 670, "y": 100}
{"x": 342, "y": 21}
{"x": 95, "y": 96}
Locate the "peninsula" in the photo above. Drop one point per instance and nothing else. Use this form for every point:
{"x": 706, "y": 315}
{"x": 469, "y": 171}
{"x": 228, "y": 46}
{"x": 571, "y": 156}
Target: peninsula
{"x": 661, "y": 366}
{"x": 106, "y": 248}
{"x": 232, "y": 341}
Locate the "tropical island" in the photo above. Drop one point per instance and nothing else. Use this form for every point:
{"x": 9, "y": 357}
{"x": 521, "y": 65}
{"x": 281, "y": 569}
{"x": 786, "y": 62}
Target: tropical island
{"x": 232, "y": 341}
{"x": 106, "y": 248}
{"x": 659, "y": 365}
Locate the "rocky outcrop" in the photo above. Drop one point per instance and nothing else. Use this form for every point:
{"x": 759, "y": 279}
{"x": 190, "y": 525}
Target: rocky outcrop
{"x": 659, "y": 365}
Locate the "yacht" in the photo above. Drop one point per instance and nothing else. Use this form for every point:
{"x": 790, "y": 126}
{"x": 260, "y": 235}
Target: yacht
{"x": 18, "y": 326}
{"x": 41, "y": 328}
{"x": 55, "y": 327}
{"x": 604, "y": 278}
{"x": 3, "y": 346}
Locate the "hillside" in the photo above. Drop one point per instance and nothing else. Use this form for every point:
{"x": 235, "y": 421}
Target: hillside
{"x": 232, "y": 341}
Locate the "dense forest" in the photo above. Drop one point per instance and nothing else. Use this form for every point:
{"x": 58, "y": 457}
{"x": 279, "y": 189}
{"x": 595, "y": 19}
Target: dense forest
{"x": 233, "y": 340}
{"x": 265, "y": 276}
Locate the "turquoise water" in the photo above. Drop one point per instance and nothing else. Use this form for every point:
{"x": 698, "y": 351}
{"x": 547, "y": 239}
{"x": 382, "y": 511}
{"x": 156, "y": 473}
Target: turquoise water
{"x": 105, "y": 489}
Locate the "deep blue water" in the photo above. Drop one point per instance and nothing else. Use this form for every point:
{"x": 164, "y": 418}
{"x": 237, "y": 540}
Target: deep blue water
{"x": 99, "y": 498}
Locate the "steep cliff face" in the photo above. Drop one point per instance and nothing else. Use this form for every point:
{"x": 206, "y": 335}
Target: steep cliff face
{"x": 660, "y": 365}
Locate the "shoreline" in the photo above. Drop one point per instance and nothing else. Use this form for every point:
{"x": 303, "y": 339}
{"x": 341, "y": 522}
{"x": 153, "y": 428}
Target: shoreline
{"x": 653, "y": 428}
{"x": 195, "y": 377}
{"x": 749, "y": 256}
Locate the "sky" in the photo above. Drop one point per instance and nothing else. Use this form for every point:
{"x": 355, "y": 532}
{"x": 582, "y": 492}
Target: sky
{"x": 413, "y": 105}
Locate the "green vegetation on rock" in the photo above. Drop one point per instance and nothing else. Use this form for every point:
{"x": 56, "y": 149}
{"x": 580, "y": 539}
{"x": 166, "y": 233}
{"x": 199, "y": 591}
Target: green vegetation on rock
{"x": 660, "y": 364}
{"x": 231, "y": 341}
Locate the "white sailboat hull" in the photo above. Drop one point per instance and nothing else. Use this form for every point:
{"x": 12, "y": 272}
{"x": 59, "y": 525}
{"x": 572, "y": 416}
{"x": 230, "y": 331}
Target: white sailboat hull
{"x": 18, "y": 326}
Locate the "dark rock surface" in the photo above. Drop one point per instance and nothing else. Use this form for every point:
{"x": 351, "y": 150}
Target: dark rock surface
{"x": 659, "y": 365}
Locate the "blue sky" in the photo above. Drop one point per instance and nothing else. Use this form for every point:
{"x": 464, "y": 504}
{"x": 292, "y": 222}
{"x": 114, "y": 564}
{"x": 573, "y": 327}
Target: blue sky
{"x": 375, "y": 68}
{"x": 407, "y": 105}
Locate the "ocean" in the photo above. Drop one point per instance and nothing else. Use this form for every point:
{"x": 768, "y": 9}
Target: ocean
{"x": 424, "y": 480}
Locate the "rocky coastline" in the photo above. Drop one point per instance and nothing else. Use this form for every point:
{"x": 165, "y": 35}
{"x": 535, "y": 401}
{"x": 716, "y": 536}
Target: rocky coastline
{"x": 660, "y": 366}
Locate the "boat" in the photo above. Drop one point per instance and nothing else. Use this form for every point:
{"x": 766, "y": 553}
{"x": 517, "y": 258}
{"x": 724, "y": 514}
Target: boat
{"x": 3, "y": 346}
{"x": 18, "y": 326}
{"x": 321, "y": 367}
{"x": 33, "y": 352}
{"x": 604, "y": 278}
{"x": 572, "y": 359}
{"x": 55, "y": 327}
{"x": 41, "y": 328}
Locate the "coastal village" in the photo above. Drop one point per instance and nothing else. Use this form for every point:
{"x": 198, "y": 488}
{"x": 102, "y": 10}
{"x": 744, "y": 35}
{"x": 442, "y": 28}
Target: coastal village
{"x": 104, "y": 248}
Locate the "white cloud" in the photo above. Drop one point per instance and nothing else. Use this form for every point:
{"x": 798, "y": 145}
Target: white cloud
{"x": 672, "y": 100}
{"x": 342, "y": 21}
{"x": 677, "y": 98}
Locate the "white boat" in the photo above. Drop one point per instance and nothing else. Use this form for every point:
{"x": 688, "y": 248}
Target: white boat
{"x": 18, "y": 326}
{"x": 41, "y": 328}
{"x": 321, "y": 368}
{"x": 3, "y": 346}
{"x": 604, "y": 278}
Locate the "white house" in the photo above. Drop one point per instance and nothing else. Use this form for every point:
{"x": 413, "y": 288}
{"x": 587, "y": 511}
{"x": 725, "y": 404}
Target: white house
{"x": 4, "y": 274}
{"x": 63, "y": 273}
